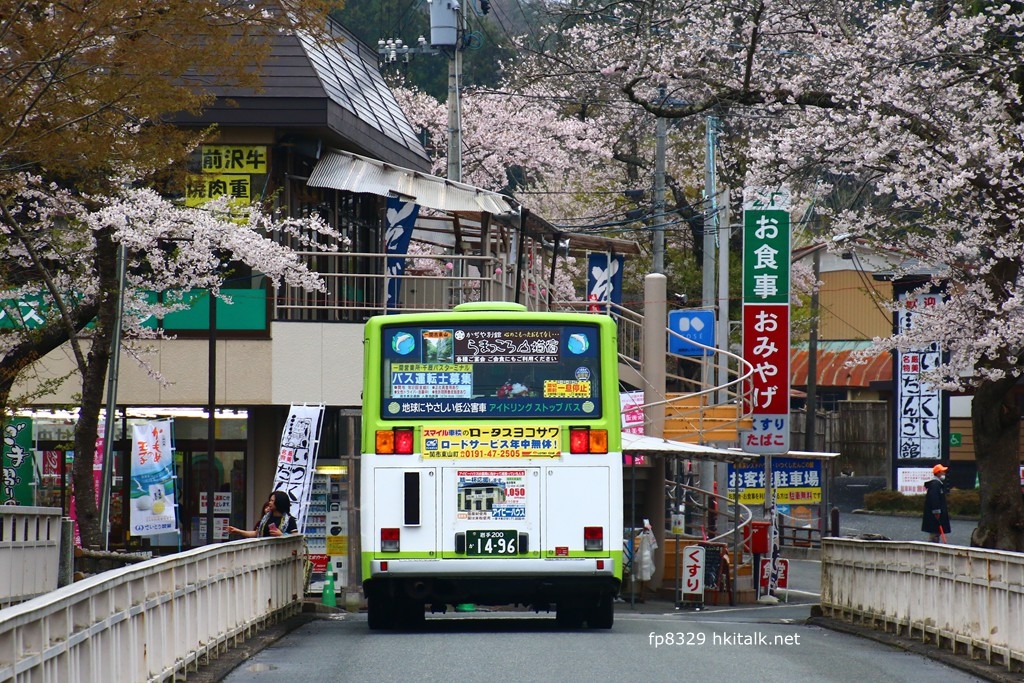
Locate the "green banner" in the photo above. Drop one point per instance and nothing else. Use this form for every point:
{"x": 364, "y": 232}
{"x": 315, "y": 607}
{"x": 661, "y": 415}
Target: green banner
{"x": 18, "y": 463}
{"x": 766, "y": 256}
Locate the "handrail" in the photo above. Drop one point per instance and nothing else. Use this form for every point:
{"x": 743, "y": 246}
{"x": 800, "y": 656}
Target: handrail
{"x": 357, "y": 285}
{"x": 155, "y": 619}
{"x": 29, "y": 552}
{"x": 742, "y": 510}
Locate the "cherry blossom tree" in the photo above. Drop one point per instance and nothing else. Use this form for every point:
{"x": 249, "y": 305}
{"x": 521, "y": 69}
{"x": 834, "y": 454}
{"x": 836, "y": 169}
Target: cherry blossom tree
{"x": 89, "y": 87}
{"x": 918, "y": 105}
{"x": 568, "y": 157}
{"x": 62, "y": 249}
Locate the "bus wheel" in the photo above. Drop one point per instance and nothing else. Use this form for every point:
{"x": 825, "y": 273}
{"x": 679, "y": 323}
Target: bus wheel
{"x": 379, "y": 612}
{"x": 411, "y": 613}
{"x": 602, "y": 614}
{"x": 569, "y": 616}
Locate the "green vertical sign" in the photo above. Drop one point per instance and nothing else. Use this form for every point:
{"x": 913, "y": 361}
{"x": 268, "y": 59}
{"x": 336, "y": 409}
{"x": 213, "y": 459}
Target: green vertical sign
{"x": 766, "y": 256}
{"x": 17, "y": 462}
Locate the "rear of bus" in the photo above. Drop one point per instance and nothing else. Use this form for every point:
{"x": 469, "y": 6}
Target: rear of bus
{"x": 491, "y": 464}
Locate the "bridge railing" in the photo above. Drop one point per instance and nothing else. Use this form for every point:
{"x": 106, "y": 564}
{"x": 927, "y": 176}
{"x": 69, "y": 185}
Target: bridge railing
{"x": 156, "y": 619}
{"x": 968, "y": 600}
{"x": 29, "y": 552}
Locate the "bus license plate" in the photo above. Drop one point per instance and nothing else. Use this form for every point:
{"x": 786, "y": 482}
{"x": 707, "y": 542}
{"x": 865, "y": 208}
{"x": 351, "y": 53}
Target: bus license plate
{"x": 503, "y": 542}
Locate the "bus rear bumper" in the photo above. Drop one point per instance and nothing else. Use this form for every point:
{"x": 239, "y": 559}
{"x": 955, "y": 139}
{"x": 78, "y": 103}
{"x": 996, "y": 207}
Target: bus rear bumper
{"x": 576, "y": 566}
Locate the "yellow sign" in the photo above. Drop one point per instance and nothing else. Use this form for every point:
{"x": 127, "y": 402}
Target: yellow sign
{"x": 554, "y": 388}
{"x": 201, "y": 189}
{"x": 337, "y": 545}
{"x": 492, "y": 442}
{"x": 783, "y": 496}
{"x": 431, "y": 367}
{"x": 234, "y": 158}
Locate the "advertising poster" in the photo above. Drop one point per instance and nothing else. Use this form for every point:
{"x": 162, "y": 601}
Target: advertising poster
{"x": 152, "y": 506}
{"x": 491, "y": 494}
{"x": 18, "y": 462}
{"x": 795, "y": 481}
{"x": 492, "y": 442}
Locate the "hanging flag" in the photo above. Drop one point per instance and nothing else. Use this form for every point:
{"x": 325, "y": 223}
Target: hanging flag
{"x": 152, "y": 504}
{"x": 18, "y": 462}
{"x": 401, "y": 219}
{"x": 604, "y": 279}
{"x": 300, "y": 440}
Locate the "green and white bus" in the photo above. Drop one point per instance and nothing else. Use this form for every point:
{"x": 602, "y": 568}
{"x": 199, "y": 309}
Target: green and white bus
{"x": 491, "y": 464}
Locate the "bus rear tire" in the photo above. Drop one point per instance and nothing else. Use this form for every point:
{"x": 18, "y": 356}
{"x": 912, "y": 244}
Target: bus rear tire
{"x": 411, "y": 613}
{"x": 380, "y": 613}
{"x": 569, "y": 616}
{"x": 602, "y": 615}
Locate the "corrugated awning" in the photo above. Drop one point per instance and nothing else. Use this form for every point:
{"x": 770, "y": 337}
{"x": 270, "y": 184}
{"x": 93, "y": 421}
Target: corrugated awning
{"x": 832, "y": 370}
{"x": 347, "y": 171}
{"x": 637, "y": 444}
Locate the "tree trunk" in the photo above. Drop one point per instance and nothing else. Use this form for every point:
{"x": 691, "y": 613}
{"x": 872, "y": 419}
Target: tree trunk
{"x": 996, "y": 419}
{"x": 93, "y": 380}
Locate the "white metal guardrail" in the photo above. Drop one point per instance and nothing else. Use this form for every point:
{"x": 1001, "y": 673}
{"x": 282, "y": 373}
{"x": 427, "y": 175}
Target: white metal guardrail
{"x": 155, "y": 619}
{"x": 29, "y": 552}
{"x": 967, "y": 600}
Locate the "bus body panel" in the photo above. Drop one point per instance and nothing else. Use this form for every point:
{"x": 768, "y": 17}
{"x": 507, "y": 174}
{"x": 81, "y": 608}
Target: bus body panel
{"x": 492, "y": 519}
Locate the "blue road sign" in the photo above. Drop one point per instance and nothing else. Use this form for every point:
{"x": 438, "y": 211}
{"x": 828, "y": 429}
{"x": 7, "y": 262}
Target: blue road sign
{"x": 694, "y": 324}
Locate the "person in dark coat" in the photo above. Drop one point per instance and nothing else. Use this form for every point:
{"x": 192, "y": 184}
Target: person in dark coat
{"x": 935, "y": 520}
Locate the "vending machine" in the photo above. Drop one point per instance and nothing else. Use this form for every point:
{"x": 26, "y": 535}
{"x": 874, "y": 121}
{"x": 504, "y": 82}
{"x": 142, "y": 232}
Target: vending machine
{"x": 327, "y": 527}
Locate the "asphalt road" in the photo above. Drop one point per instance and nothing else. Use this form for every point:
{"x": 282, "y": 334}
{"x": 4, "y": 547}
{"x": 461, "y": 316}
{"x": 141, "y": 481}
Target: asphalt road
{"x": 901, "y": 528}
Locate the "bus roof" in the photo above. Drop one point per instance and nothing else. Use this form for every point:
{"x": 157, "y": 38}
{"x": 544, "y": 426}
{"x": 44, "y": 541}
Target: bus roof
{"x": 477, "y": 306}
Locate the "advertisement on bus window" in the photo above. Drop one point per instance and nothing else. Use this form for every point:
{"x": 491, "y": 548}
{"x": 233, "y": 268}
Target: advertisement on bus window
{"x": 506, "y": 371}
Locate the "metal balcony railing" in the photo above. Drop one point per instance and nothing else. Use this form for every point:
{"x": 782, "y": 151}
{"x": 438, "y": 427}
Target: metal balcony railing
{"x": 357, "y": 286}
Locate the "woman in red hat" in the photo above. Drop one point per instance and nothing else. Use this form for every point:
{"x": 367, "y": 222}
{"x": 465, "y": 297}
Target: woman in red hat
{"x": 935, "y": 521}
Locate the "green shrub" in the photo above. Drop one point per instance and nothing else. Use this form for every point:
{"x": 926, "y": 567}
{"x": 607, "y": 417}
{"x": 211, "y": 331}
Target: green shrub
{"x": 960, "y": 502}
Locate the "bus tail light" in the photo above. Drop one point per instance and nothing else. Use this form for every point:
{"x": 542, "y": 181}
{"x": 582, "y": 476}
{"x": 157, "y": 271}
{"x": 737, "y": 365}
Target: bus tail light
{"x": 587, "y": 440}
{"x": 389, "y": 540}
{"x": 397, "y": 441}
{"x": 593, "y": 538}
{"x": 579, "y": 439}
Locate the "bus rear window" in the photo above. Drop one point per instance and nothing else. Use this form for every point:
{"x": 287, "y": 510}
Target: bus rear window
{"x": 490, "y": 371}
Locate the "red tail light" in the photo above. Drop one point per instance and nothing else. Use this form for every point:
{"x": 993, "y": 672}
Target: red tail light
{"x": 579, "y": 439}
{"x": 397, "y": 441}
{"x": 403, "y": 440}
{"x": 587, "y": 440}
{"x": 593, "y": 538}
{"x": 389, "y": 540}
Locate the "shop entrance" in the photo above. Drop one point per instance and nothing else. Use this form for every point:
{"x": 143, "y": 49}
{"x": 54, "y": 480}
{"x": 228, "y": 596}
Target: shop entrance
{"x": 193, "y": 466}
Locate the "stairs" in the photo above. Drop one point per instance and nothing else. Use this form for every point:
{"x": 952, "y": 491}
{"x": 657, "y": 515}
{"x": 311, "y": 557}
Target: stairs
{"x": 689, "y": 419}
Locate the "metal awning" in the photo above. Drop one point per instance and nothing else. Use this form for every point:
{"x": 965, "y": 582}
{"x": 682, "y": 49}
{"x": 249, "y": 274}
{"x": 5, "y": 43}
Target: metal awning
{"x": 636, "y": 444}
{"x": 341, "y": 170}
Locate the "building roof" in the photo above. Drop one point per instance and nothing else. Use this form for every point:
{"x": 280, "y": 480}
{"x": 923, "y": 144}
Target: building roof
{"x": 354, "y": 173}
{"x": 833, "y": 369}
{"x": 325, "y": 88}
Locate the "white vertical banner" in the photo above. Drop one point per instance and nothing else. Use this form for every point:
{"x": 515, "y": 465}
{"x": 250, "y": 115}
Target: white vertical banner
{"x": 152, "y": 509}
{"x": 300, "y": 441}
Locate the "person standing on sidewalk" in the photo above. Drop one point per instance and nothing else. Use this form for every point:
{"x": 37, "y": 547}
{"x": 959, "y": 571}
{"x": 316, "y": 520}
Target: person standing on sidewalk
{"x": 935, "y": 519}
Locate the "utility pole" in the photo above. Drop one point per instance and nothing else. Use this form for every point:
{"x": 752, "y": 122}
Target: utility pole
{"x": 710, "y": 213}
{"x": 710, "y": 232}
{"x": 447, "y": 29}
{"x": 811, "y": 404}
{"x": 724, "y": 231}
{"x": 455, "y": 113}
{"x": 661, "y": 133}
